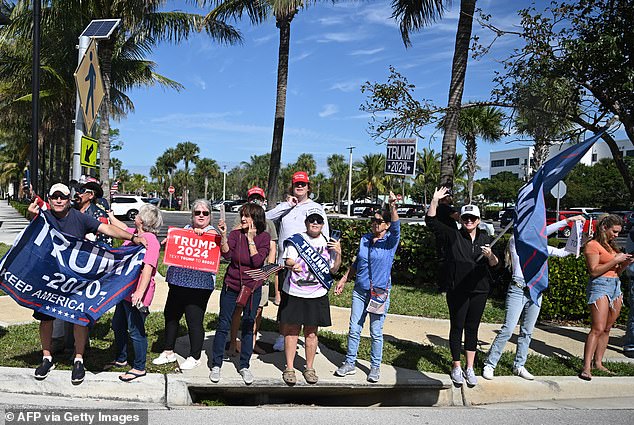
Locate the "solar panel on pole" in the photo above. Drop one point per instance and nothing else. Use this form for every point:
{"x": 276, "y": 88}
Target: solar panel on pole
{"x": 100, "y": 28}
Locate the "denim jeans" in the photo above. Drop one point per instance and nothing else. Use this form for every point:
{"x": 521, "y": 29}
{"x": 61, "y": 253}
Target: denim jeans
{"x": 360, "y": 300}
{"x": 227, "y": 307}
{"x": 629, "y": 334}
{"x": 518, "y": 306}
{"x": 128, "y": 319}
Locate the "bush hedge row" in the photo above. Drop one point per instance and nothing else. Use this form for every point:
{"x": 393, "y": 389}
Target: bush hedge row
{"x": 415, "y": 264}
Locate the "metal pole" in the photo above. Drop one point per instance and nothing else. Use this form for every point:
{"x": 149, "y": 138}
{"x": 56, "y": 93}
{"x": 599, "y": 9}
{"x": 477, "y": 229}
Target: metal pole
{"x": 79, "y": 117}
{"x": 35, "y": 90}
{"x": 224, "y": 183}
{"x": 350, "y": 179}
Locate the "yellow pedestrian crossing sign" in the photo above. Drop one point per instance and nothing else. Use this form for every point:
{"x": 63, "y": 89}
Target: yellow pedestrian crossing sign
{"x": 89, "y": 149}
{"x": 89, "y": 85}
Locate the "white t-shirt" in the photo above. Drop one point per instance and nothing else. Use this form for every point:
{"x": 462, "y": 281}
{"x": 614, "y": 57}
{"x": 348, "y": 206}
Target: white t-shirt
{"x": 305, "y": 284}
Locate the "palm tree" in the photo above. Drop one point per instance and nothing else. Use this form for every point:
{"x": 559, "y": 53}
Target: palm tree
{"x": 428, "y": 171}
{"x": 484, "y": 122}
{"x": 338, "y": 174}
{"x": 371, "y": 175}
{"x": 115, "y": 166}
{"x": 414, "y": 15}
{"x": 187, "y": 152}
{"x": 206, "y": 169}
{"x": 257, "y": 170}
{"x": 258, "y": 10}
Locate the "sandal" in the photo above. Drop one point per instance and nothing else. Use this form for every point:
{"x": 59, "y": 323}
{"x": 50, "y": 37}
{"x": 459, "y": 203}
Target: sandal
{"x": 113, "y": 364}
{"x": 288, "y": 376}
{"x": 310, "y": 376}
{"x": 134, "y": 375}
{"x": 585, "y": 376}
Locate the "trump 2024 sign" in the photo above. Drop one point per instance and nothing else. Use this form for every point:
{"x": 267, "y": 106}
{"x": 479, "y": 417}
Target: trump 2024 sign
{"x": 401, "y": 157}
{"x": 186, "y": 249}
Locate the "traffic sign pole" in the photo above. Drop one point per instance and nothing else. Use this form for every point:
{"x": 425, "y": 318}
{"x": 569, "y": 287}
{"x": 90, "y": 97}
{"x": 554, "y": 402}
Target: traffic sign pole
{"x": 79, "y": 117}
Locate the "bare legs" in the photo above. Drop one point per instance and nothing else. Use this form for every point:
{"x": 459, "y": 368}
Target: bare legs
{"x": 602, "y": 318}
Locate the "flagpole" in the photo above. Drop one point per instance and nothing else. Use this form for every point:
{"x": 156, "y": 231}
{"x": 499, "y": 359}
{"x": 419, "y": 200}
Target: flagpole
{"x": 497, "y": 238}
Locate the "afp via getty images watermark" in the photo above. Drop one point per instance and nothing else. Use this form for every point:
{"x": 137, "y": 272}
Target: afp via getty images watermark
{"x": 75, "y": 416}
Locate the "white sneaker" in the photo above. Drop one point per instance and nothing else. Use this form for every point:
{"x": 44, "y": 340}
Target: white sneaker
{"x": 214, "y": 376}
{"x": 189, "y": 363}
{"x": 470, "y": 377}
{"x": 247, "y": 376}
{"x": 456, "y": 376}
{"x": 279, "y": 343}
{"x": 164, "y": 359}
{"x": 488, "y": 372}
{"x": 523, "y": 373}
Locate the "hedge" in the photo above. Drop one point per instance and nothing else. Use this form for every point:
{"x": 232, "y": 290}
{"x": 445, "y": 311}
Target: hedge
{"x": 415, "y": 264}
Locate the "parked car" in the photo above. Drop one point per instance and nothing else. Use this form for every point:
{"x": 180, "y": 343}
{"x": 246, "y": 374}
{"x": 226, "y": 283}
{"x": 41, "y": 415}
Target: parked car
{"x": 365, "y": 209}
{"x": 227, "y": 203}
{"x": 235, "y": 207}
{"x": 551, "y": 217}
{"x": 329, "y": 207}
{"x": 127, "y": 205}
{"x": 411, "y": 210}
{"x": 506, "y": 217}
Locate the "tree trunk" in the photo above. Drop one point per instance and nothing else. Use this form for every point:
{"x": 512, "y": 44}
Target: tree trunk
{"x": 284, "y": 24}
{"x": 472, "y": 164}
{"x": 105, "y": 57}
{"x": 456, "y": 87}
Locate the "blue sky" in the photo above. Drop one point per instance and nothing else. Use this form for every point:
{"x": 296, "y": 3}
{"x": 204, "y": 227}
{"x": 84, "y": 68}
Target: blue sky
{"x": 228, "y": 104}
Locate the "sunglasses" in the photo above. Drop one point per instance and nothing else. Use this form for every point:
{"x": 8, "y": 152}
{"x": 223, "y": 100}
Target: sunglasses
{"x": 315, "y": 220}
{"x": 377, "y": 220}
{"x": 205, "y": 213}
{"x": 300, "y": 184}
{"x": 58, "y": 196}
{"x": 471, "y": 218}
{"x": 84, "y": 190}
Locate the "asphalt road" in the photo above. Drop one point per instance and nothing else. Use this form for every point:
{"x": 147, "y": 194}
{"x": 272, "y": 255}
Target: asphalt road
{"x": 578, "y": 412}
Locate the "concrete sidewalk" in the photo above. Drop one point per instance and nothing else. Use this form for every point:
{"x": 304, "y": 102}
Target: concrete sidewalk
{"x": 408, "y": 387}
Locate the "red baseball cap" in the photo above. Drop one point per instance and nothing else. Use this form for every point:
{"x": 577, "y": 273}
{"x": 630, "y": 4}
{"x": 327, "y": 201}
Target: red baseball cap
{"x": 300, "y": 176}
{"x": 256, "y": 191}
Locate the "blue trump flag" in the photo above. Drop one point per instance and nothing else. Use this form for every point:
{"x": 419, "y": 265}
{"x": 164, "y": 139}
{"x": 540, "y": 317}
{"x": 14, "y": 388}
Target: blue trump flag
{"x": 65, "y": 277}
{"x": 529, "y": 219}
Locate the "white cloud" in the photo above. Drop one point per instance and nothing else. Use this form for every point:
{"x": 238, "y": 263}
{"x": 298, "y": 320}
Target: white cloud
{"x": 199, "y": 82}
{"x": 366, "y": 51}
{"x": 340, "y": 37}
{"x": 328, "y": 110}
{"x": 348, "y": 86}
{"x": 299, "y": 57}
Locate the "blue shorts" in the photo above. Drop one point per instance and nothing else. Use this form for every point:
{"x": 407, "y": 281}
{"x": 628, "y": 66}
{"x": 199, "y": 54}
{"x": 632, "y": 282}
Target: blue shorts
{"x": 600, "y": 287}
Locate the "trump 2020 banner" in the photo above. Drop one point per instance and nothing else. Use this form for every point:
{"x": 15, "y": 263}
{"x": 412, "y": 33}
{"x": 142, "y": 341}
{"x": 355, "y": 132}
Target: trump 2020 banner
{"x": 529, "y": 220}
{"x": 65, "y": 277}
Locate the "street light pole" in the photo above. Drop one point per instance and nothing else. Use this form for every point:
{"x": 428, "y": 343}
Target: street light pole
{"x": 350, "y": 179}
{"x": 224, "y": 183}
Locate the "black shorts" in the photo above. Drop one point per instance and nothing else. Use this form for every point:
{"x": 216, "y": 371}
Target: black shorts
{"x": 304, "y": 311}
{"x": 42, "y": 317}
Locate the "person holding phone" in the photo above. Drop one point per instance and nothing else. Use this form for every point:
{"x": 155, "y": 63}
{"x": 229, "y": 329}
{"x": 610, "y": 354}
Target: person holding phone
{"x": 605, "y": 263}
{"x": 372, "y": 267}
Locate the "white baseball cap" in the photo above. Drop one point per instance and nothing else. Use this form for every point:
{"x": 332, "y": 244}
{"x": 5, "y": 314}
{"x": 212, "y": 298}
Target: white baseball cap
{"x": 59, "y": 187}
{"x": 470, "y": 210}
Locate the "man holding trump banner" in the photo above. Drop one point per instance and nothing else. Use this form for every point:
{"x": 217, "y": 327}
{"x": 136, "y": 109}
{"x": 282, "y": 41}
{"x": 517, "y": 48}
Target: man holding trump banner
{"x": 53, "y": 270}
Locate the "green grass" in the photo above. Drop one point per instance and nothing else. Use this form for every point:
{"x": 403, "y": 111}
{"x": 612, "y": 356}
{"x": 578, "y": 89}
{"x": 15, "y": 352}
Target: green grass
{"x": 4, "y": 248}
{"x": 421, "y": 302}
{"x": 20, "y": 347}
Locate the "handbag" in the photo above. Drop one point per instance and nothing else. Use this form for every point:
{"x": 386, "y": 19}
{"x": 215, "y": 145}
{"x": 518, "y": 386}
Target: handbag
{"x": 243, "y": 295}
{"x": 378, "y": 296}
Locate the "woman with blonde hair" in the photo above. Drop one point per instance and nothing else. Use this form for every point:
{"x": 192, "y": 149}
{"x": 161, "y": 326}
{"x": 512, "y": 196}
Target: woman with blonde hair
{"x": 130, "y": 314}
{"x": 605, "y": 263}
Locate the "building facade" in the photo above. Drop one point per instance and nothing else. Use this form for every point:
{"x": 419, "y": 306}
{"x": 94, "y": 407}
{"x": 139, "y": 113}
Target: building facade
{"x": 519, "y": 160}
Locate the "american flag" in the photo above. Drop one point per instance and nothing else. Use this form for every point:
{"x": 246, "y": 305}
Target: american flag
{"x": 264, "y": 271}
{"x": 115, "y": 185}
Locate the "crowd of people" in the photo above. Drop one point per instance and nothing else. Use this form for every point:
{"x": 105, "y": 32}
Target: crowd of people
{"x": 296, "y": 236}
